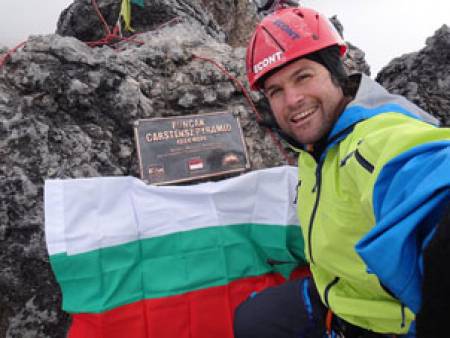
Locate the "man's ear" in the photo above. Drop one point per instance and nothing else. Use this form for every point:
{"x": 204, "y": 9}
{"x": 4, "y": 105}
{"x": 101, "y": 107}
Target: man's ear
{"x": 432, "y": 319}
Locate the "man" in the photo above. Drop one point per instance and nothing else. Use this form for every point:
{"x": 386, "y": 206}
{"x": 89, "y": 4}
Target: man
{"x": 374, "y": 177}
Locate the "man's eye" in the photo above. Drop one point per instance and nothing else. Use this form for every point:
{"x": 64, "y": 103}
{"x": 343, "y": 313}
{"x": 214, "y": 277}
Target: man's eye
{"x": 302, "y": 77}
{"x": 273, "y": 92}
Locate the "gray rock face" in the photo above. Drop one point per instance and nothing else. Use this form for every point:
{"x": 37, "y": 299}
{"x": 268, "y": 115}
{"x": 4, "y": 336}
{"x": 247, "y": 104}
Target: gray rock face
{"x": 67, "y": 111}
{"x": 424, "y": 76}
{"x": 355, "y": 59}
{"x": 81, "y": 21}
{"x": 237, "y": 19}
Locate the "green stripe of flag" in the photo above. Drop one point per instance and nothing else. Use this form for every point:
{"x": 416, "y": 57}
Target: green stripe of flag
{"x": 173, "y": 264}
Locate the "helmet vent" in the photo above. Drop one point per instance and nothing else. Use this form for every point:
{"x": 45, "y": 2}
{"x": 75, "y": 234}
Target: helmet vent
{"x": 273, "y": 38}
{"x": 316, "y": 36}
{"x": 300, "y": 13}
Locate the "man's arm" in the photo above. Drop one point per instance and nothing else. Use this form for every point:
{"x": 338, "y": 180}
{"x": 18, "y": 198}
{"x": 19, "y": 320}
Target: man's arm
{"x": 410, "y": 193}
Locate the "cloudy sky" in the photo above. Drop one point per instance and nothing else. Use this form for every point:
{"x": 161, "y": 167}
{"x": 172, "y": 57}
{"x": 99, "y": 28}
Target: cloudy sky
{"x": 383, "y": 29}
{"x": 19, "y": 19}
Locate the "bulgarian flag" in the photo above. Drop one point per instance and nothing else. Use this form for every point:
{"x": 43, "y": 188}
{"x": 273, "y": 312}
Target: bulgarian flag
{"x": 141, "y": 261}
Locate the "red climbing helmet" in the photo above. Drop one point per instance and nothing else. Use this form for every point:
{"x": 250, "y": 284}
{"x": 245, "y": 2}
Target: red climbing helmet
{"x": 286, "y": 35}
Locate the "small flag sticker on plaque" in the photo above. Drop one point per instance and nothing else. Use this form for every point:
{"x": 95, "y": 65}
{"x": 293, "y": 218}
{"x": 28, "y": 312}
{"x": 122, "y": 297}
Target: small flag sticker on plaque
{"x": 195, "y": 164}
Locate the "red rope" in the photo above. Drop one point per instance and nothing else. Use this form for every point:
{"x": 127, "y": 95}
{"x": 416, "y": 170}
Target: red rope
{"x": 113, "y": 37}
{"x": 132, "y": 37}
{"x": 9, "y": 53}
{"x": 101, "y": 17}
{"x": 107, "y": 39}
{"x": 274, "y": 137}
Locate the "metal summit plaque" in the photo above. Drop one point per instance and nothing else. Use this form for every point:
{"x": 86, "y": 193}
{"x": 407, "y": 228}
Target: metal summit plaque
{"x": 188, "y": 148}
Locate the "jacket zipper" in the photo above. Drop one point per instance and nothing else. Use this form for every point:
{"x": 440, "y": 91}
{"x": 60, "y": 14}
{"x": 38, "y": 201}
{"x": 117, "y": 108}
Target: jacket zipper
{"x": 364, "y": 163}
{"x": 317, "y": 189}
{"x": 403, "y": 324}
{"x": 346, "y": 158}
{"x": 327, "y": 290}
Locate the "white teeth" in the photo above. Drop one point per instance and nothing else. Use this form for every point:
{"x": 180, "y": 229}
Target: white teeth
{"x": 302, "y": 115}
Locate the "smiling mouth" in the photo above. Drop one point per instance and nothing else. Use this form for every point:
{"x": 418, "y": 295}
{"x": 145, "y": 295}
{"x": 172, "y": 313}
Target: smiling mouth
{"x": 302, "y": 115}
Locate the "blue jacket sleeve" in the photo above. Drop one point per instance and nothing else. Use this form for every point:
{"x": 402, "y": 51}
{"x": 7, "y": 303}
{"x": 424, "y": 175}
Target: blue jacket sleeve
{"x": 409, "y": 195}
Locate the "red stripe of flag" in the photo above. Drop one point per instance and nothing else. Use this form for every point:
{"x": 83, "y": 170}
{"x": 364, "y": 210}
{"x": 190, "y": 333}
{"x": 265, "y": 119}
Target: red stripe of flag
{"x": 199, "y": 314}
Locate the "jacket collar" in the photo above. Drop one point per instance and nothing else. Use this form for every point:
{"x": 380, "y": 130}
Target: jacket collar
{"x": 372, "y": 99}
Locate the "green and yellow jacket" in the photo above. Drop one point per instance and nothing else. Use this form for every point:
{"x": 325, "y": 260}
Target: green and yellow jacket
{"x": 368, "y": 205}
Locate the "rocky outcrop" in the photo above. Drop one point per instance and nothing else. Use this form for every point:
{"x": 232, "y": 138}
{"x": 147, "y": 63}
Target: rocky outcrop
{"x": 80, "y": 20}
{"x": 67, "y": 111}
{"x": 424, "y": 76}
{"x": 237, "y": 19}
{"x": 355, "y": 59}
{"x": 227, "y": 21}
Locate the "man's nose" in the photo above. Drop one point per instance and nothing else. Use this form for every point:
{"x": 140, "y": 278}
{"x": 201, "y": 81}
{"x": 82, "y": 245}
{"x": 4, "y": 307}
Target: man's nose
{"x": 293, "y": 97}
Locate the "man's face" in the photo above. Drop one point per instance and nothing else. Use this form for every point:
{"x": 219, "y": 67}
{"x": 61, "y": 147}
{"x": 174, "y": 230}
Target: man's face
{"x": 305, "y": 101}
